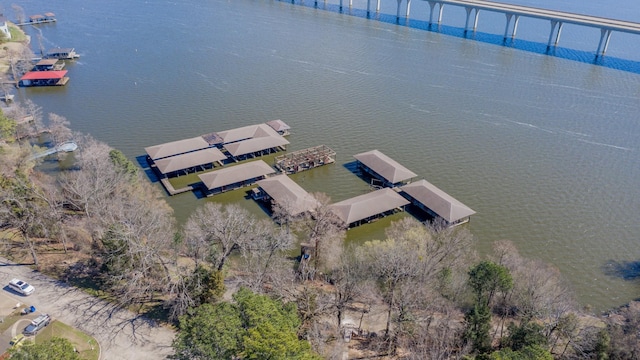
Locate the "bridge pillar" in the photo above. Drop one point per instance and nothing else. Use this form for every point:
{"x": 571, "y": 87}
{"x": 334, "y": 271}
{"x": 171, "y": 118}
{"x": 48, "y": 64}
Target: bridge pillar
{"x": 341, "y": 5}
{"x": 605, "y": 36}
{"x": 440, "y": 13}
{"x": 466, "y": 24}
{"x": 506, "y": 27}
{"x": 558, "y": 34}
{"x": 378, "y": 6}
{"x": 554, "y": 23}
{"x": 398, "y": 10}
{"x": 515, "y": 26}
{"x": 432, "y": 6}
{"x": 475, "y": 21}
{"x": 350, "y": 4}
{"x": 368, "y": 6}
{"x": 408, "y": 7}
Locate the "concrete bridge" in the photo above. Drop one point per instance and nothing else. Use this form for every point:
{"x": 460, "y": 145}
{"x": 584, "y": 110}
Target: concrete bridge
{"x": 514, "y": 12}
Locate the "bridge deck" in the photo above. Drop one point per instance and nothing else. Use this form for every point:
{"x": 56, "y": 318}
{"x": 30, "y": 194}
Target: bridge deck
{"x": 561, "y": 16}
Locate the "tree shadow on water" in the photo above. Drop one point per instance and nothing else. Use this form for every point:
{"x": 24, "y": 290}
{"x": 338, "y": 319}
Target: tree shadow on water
{"x": 627, "y": 270}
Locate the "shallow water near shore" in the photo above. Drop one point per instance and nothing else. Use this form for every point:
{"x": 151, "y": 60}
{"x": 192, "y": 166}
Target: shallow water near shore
{"x": 544, "y": 148}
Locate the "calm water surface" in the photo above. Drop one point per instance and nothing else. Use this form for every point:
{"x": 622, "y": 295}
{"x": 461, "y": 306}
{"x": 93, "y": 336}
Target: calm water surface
{"x": 545, "y": 149}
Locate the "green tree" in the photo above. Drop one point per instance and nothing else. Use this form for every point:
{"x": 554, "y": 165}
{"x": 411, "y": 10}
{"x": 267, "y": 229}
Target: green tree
{"x": 53, "y": 349}
{"x": 526, "y": 334}
{"x": 254, "y": 327}
{"x": 7, "y": 128}
{"x": 532, "y": 352}
{"x": 478, "y": 325}
{"x": 209, "y": 332}
{"x": 487, "y": 278}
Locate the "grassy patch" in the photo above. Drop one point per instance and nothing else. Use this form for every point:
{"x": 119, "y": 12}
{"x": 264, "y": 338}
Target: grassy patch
{"x": 17, "y": 35}
{"x": 86, "y": 345}
{"x": 9, "y": 320}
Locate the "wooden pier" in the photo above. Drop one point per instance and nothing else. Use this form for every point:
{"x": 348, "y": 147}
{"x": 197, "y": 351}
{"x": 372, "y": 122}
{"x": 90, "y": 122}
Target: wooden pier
{"x": 305, "y": 159}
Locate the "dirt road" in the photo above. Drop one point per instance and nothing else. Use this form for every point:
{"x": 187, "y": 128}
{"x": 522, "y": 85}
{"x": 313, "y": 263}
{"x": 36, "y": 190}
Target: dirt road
{"x": 121, "y": 334}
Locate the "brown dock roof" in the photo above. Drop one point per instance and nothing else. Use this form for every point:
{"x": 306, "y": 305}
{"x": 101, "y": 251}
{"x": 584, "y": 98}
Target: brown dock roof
{"x": 235, "y": 174}
{"x": 176, "y": 147}
{"x": 278, "y": 125}
{"x": 385, "y": 166}
{"x": 291, "y": 196}
{"x": 247, "y": 132}
{"x": 253, "y": 145}
{"x": 437, "y": 201}
{"x": 188, "y": 160}
{"x": 46, "y": 62}
{"x": 367, "y": 205}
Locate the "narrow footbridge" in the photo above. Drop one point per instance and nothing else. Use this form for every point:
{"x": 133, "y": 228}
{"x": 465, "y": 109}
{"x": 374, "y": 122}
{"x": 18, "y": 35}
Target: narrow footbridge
{"x": 556, "y": 18}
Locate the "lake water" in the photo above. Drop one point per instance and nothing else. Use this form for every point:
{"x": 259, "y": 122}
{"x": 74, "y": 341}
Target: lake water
{"x": 544, "y": 148}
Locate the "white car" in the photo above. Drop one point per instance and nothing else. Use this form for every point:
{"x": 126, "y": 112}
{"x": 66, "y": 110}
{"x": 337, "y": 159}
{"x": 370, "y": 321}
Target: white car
{"x": 21, "y": 287}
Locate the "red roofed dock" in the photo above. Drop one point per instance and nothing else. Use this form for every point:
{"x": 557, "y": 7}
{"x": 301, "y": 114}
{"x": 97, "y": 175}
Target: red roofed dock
{"x": 44, "y": 78}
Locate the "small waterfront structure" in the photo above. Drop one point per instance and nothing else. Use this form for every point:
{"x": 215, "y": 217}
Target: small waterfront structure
{"x": 41, "y": 19}
{"x": 233, "y": 177}
{"x": 305, "y": 159}
{"x": 48, "y": 65}
{"x": 282, "y": 191}
{"x": 384, "y": 169}
{"x": 189, "y": 162}
{"x": 44, "y": 78}
{"x": 62, "y": 54}
{"x": 176, "y": 147}
{"x": 437, "y": 203}
{"x": 368, "y": 207}
{"x": 213, "y": 139}
{"x": 280, "y": 126}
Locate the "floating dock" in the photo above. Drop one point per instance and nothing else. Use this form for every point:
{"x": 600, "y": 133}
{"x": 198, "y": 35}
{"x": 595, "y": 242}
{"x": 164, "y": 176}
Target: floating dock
{"x": 305, "y": 159}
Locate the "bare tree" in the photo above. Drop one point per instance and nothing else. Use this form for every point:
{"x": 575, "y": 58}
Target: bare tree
{"x": 221, "y": 229}
{"x": 324, "y": 232}
{"x": 59, "y": 128}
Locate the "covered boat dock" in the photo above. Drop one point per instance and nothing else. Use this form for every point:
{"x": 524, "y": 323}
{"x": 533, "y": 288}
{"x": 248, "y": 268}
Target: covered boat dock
{"x": 280, "y": 190}
{"x": 384, "y": 169}
{"x": 190, "y": 162}
{"x": 44, "y": 78}
{"x": 176, "y": 148}
{"x": 437, "y": 203}
{"x": 368, "y": 207}
{"x": 257, "y": 146}
{"x": 233, "y": 177}
{"x": 280, "y": 126}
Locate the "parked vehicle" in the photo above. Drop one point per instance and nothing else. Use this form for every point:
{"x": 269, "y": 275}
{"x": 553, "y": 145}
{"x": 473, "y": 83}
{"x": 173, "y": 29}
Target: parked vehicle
{"x": 21, "y": 287}
{"x": 37, "y": 324}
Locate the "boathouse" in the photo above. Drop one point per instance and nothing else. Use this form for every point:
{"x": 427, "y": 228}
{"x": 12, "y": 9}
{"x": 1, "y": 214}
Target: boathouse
{"x": 368, "y": 207}
{"x": 176, "y": 147}
{"x": 253, "y": 147}
{"x": 280, "y": 126}
{"x": 247, "y": 132}
{"x": 62, "y": 54}
{"x": 48, "y": 65}
{"x": 305, "y": 159}
{"x": 233, "y": 177}
{"x": 282, "y": 191}
{"x": 437, "y": 203}
{"x": 44, "y": 78}
{"x": 190, "y": 162}
{"x": 384, "y": 169}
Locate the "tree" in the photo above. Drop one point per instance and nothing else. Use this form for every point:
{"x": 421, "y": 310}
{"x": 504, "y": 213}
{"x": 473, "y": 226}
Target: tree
{"x": 324, "y": 233}
{"x": 214, "y": 231}
{"x": 478, "y": 324}
{"x": 7, "y": 128}
{"x": 54, "y": 348}
{"x": 532, "y": 352}
{"x": 209, "y": 332}
{"x": 487, "y": 278}
{"x": 253, "y": 327}
{"x": 523, "y": 335}
{"x": 59, "y": 129}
